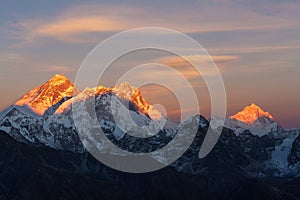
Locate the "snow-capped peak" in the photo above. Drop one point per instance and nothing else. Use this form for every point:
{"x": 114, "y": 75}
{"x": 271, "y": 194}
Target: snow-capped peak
{"x": 253, "y": 119}
{"x": 124, "y": 91}
{"x": 250, "y": 114}
{"x": 39, "y": 99}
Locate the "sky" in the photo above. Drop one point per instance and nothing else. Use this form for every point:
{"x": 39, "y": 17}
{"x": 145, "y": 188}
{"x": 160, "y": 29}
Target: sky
{"x": 255, "y": 45}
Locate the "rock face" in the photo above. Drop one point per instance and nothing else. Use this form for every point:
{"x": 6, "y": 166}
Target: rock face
{"x": 294, "y": 156}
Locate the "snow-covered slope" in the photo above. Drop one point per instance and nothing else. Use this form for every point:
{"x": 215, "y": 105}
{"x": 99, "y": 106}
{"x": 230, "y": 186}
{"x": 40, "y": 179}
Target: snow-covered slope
{"x": 253, "y": 119}
{"x": 260, "y": 127}
{"x": 44, "y": 115}
{"x": 251, "y": 142}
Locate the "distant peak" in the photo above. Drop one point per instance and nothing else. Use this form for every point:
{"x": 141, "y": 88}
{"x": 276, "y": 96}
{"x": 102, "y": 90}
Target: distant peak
{"x": 126, "y": 90}
{"x": 251, "y": 113}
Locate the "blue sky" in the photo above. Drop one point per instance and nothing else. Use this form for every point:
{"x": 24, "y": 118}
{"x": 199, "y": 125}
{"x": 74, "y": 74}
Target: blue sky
{"x": 256, "y": 44}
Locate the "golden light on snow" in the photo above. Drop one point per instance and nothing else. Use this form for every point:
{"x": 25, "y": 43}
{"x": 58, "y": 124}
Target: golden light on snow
{"x": 59, "y": 87}
{"x": 250, "y": 114}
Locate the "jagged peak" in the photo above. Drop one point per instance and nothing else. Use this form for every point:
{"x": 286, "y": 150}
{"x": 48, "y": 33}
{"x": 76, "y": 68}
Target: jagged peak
{"x": 125, "y": 86}
{"x": 48, "y": 94}
{"x": 251, "y": 113}
{"x": 124, "y": 91}
{"x": 59, "y": 86}
{"x": 128, "y": 92}
{"x": 59, "y": 79}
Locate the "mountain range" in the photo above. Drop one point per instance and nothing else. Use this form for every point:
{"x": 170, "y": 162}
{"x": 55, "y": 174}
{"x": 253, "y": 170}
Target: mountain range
{"x": 253, "y": 149}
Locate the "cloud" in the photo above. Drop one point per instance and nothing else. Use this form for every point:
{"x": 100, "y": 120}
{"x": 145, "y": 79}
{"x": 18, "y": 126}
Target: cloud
{"x": 75, "y": 22}
{"x": 173, "y": 71}
{"x": 254, "y": 49}
{"x": 187, "y": 70}
{"x": 68, "y": 29}
{"x": 76, "y": 26}
{"x": 176, "y": 61}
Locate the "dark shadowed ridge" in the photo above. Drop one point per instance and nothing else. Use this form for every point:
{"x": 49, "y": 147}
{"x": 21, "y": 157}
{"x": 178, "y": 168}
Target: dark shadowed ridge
{"x": 29, "y": 172}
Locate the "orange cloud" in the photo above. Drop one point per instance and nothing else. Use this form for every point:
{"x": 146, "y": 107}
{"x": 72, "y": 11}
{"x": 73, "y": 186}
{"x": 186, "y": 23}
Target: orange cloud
{"x": 83, "y": 19}
{"x": 177, "y": 61}
{"x": 187, "y": 70}
{"x": 254, "y": 49}
{"x": 74, "y": 26}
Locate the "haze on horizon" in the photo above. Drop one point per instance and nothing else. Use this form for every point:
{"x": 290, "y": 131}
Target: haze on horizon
{"x": 255, "y": 45}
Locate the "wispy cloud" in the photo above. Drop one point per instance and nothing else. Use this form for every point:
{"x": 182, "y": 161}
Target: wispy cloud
{"x": 187, "y": 70}
{"x": 67, "y": 30}
{"x": 76, "y": 26}
{"x": 176, "y": 61}
{"x": 77, "y": 21}
{"x": 253, "y": 49}
{"x": 74, "y": 22}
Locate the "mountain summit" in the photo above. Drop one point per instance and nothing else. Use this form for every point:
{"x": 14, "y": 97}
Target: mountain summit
{"x": 39, "y": 99}
{"x": 250, "y": 114}
{"x": 45, "y": 116}
{"x": 123, "y": 91}
{"x": 58, "y": 93}
{"x": 251, "y": 144}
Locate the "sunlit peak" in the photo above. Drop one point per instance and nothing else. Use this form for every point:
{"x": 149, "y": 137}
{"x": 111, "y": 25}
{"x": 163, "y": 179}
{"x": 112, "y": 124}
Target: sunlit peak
{"x": 133, "y": 94}
{"x": 251, "y": 113}
{"x": 58, "y": 87}
{"x": 127, "y": 92}
{"x": 41, "y": 98}
{"x": 126, "y": 89}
